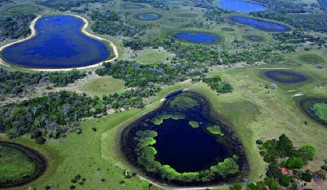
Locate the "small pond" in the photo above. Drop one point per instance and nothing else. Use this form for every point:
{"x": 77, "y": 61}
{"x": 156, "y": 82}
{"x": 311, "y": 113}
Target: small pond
{"x": 259, "y": 24}
{"x": 243, "y": 6}
{"x": 197, "y": 37}
{"x": 148, "y": 16}
{"x": 286, "y": 77}
{"x": 315, "y": 108}
{"x": 19, "y": 165}
{"x": 59, "y": 43}
{"x": 186, "y": 141}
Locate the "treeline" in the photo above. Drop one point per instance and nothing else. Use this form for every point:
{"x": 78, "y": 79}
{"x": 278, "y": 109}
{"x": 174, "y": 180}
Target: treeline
{"x": 148, "y": 75}
{"x": 15, "y": 26}
{"x": 113, "y": 23}
{"x": 299, "y": 15}
{"x": 153, "y": 3}
{"x": 17, "y": 82}
{"x": 299, "y": 37}
{"x": 67, "y": 4}
{"x": 48, "y": 116}
{"x": 217, "y": 84}
{"x": 209, "y": 54}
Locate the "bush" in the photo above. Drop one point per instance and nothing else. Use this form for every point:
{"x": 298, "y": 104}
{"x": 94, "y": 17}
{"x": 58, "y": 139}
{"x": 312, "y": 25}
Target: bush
{"x": 295, "y": 162}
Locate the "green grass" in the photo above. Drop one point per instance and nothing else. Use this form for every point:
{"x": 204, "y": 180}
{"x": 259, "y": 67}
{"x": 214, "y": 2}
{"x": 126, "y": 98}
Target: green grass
{"x": 194, "y": 124}
{"x": 103, "y": 86}
{"x": 149, "y": 56}
{"x": 14, "y": 164}
{"x": 321, "y": 110}
{"x": 24, "y": 9}
{"x": 311, "y": 58}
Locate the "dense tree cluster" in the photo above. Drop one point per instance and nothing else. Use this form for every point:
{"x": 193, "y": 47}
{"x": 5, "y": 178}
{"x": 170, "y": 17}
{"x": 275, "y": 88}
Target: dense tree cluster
{"x": 67, "y": 4}
{"x": 297, "y": 38}
{"x": 17, "y": 82}
{"x": 299, "y": 15}
{"x": 112, "y": 23}
{"x": 15, "y": 26}
{"x": 140, "y": 75}
{"x": 285, "y": 163}
{"x": 217, "y": 84}
{"x": 48, "y": 116}
{"x": 146, "y": 159}
{"x": 153, "y": 3}
{"x": 209, "y": 54}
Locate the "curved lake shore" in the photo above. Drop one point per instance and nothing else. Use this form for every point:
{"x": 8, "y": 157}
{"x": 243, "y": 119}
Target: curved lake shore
{"x": 113, "y": 49}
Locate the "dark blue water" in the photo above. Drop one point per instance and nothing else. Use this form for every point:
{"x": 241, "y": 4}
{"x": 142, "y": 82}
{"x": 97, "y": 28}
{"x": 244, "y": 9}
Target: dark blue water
{"x": 148, "y": 16}
{"x": 241, "y": 6}
{"x": 59, "y": 43}
{"x": 187, "y": 149}
{"x": 197, "y": 37}
{"x": 286, "y": 77}
{"x": 179, "y": 145}
{"x": 263, "y": 25}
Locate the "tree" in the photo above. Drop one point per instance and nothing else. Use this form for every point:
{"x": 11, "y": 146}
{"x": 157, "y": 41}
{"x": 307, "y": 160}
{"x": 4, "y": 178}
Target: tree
{"x": 295, "y": 162}
{"x": 307, "y": 152}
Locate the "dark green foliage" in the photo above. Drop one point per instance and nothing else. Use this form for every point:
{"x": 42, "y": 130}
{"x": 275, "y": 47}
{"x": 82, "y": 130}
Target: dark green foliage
{"x": 281, "y": 154}
{"x": 285, "y": 180}
{"x": 114, "y": 24}
{"x": 295, "y": 162}
{"x": 307, "y": 152}
{"x": 217, "y": 84}
{"x": 307, "y": 176}
{"x": 236, "y": 186}
{"x": 64, "y": 78}
{"x": 209, "y": 54}
{"x": 17, "y": 82}
{"x": 67, "y": 4}
{"x": 50, "y": 115}
{"x": 138, "y": 75}
{"x": 15, "y": 26}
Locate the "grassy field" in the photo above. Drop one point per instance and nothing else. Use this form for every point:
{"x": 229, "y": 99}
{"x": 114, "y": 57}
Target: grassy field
{"x": 149, "y": 56}
{"x": 103, "y": 86}
{"x": 14, "y": 164}
{"x": 24, "y": 9}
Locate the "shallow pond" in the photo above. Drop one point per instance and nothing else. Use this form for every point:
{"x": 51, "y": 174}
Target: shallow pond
{"x": 19, "y": 164}
{"x": 185, "y": 141}
{"x": 263, "y": 25}
{"x": 59, "y": 43}
{"x": 287, "y": 77}
{"x": 148, "y": 16}
{"x": 197, "y": 37}
{"x": 315, "y": 108}
{"x": 241, "y": 6}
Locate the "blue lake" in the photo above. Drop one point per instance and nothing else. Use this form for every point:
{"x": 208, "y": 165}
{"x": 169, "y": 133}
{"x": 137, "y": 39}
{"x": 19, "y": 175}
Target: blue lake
{"x": 287, "y": 77}
{"x": 263, "y": 25}
{"x": 197, "y": 37}
{"x": 241, "y": 6}
{"x": 148, "y": 16}
{"x": 177, "y": 143}
{"x": 59, "y": 43}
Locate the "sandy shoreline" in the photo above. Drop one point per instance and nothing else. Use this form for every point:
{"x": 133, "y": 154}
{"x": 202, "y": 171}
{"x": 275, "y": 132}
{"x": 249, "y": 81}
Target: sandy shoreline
{"x": 83, "y": 30}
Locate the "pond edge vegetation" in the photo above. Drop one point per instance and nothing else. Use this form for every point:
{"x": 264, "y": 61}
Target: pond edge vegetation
{"x": 244, "y": 167}
{"x": 39, "y": 160}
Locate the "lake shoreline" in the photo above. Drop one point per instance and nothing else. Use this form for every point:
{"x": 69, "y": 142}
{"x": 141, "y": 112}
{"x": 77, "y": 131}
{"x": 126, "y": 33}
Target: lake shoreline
{"x": 112, "y": 47}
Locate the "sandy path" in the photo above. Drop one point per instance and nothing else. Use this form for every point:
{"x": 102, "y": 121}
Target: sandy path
{"x": 86, "y": 24}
